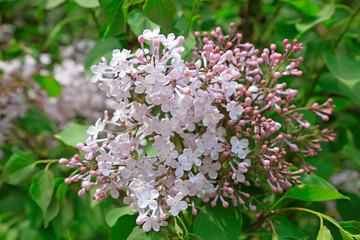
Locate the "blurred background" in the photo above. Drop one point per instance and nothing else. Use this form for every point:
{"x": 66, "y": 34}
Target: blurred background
{"x": 47, "y": 99}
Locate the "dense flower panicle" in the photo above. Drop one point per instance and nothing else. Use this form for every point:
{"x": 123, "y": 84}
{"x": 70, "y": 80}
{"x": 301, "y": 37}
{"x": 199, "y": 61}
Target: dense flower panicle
{"x": 183, "y": 131}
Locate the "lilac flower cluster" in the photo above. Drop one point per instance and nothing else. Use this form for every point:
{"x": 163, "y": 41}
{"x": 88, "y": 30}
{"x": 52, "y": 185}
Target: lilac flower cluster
{"x": 15, "y": 77}
{"x": 204, "y": 129}
{"x": 19, "y": 90}
{"x": 78, "y": 97}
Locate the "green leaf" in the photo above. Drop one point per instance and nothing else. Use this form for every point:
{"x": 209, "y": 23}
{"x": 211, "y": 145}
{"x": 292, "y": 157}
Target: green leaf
{"x": 288, "y": 229}
{"x": 100, "y": 49}
{"x": 313, "y": 193}
{"x": 352, "y": 227}
{"x": 160, "y": 235}
{"x": 344, "y": 68}
{"x": 161, "y": 12}
{"x": 61, "y": 189}
{"x": 324, "y": 234}
{"x": 42, "y": 188}
{"x": 37, "y": 121}
{"x": 56, "y": 199}
{"x": 189, "y": 43}
{"x": 18, "y": 169}
{"x": 113, "y": 12}
{"x": 56, "y": 30}
{"x": 114, "y": 214}
{"x": 317, "y": 181}
{"x": 51, "y": 212}
{"x": 191, "y": 236}
{"x": 138, "y": 21}
{"x": 347, "y": 209}
{"x": 218, "y": 223}
{"x": 73, "y": 134}
{"x": 133, "y": 2}
{"x": 123, "y": 227}
{"x": 88, "y": 3}
{"x": 49, "y": 4}
{"x": 329, "y": 82}
{"x": 345, "y": 237}
{"x": 325, "y": 14}
{"x": 309, "y": 8}
{"x": 138, "y": 233}
{"x": 52, "y": 87}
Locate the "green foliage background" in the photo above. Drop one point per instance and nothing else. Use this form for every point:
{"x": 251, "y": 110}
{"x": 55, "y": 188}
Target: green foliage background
{"x": 36, "y": 204}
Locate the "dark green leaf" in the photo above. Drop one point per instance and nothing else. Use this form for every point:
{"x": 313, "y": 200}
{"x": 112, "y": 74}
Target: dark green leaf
{"x": 56, "y": 199}
{"x": 345, "y": 237}
{"x": 138, "y": 233}
{"x": 161, "y": 12}
{"x": 42, "y": 188}
{"x": 138, "y": 22}
{"x": 61, "y": 190}
{"x": 218, "y": 223}
{"x": 347, "y": 209}
{"x": 101, "y": 49}
{"x": 344, "y": 68}
{"x": 37, "y": 121}
{"x": 160, "y": 235}
{"x": 133, "y": 2}
{"x": 123, "y": 227}
{"x": 313, "y": 193}
{"x": 317, "y": 181}
{"x": 113, "y": 12}
{"x": 88, "y": 3}
{"x": 191, "y": 236}
{"x": 305, "y": 6}
{"x": 18, "y": 169}
{"x": 352, "y": 227}
{"x": 288, "y": 229}
{"x": 329, "y": 82}
{"x": 325, "y": 14}
{"x": 52, "y": 87}
{"x": 73, "y": 134}
{"x": 114, "y": 214}
{"x": 324, "y": 234}
{"x": 51, "y": 211}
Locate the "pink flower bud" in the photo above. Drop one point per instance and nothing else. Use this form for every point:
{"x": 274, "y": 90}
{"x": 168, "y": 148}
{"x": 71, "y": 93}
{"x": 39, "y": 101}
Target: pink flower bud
{"x": 81, "y": 192}
{"x": 67, "y": 180}
{"x": 80, "y": 146}
{"x": 162, "y": 217}
{"x": 225, "y": 204}
{"x": 141, "y": 39}
{"x": 181, "y": 39}
{"x": 63, "y": 161}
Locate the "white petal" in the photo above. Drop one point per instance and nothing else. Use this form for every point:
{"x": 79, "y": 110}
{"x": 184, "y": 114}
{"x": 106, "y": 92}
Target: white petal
{"x": 153, "y": 204}
{"x": 213, "y": 174}
{"x": 147, "y": 226}
{"x": 156, "y": 226}
{"x": 182, "y": 205}
{"x": 174, "y": 210}
{"x": 114, "y": 193}
{"x": 142, "y": 203}
{"x": 240, "y": 177}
